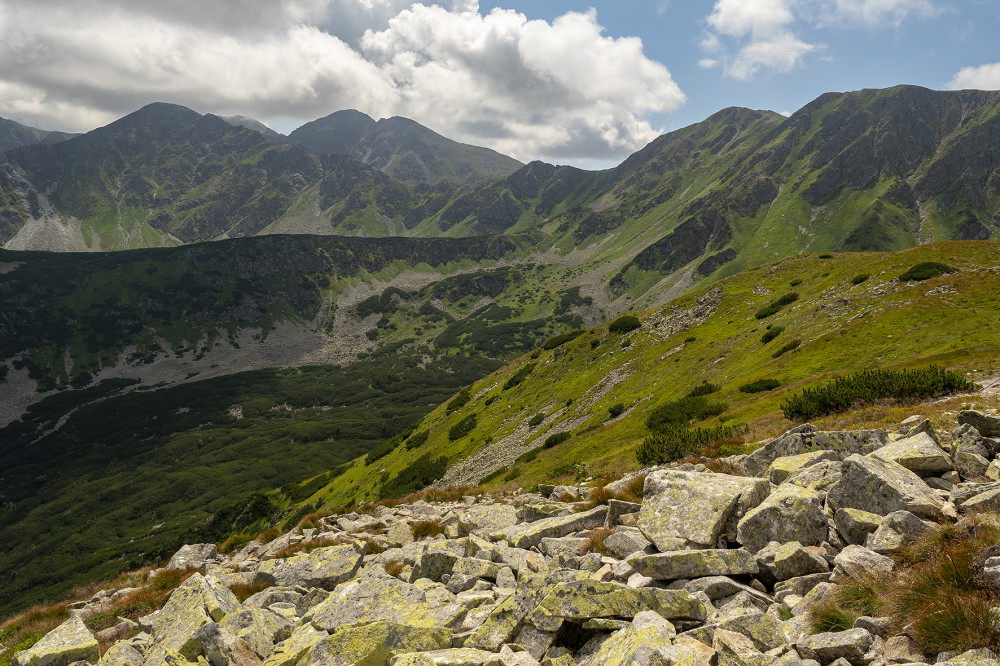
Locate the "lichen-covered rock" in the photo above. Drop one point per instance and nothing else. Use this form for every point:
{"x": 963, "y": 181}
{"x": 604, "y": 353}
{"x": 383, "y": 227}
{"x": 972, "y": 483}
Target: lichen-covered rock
{"x": 289, "y": 651}
{"x": 506, "y": 618}
{"x": 625, "y": 541}
{"x": 70, "y": 641}
{"x": 399, "y": 534}
{"x": 580, "y": 600}
{"x": 195, "y": 555}
{"x": 854, "y": 525}
{"x": 375, "y": 643}
{"x": 855, "y": 561}
{"x": 121, "y": 653}
{"x": 259, "y": 628}
{"x": 898, "y": 529}
{"x": 978, "y": 657}
{"x": 736, "y": 650}
{"x": 445, "y": 657}
{"x": 721, "y": 587}
{"x": 200, "y": 600}
{"x": 792, "y": 560}
{"x": 806, "y": 438}
{"x": 985, "y": 425}
{"x": 487, "y": 517}
{"x": 323, "y": 567}
{"x": 222, "y": 648}
{"x": 790, "y": 513}
{"x": 763, "y": 630}
{"x": 373, "y": 598}
{"x": 686, "y": 652}
{"x": 827, "y": 647}
{"x": 694, "y": 563}
{"x": 569, "y": 546}
{"x": 526, "y": 535}
{"x": 988, "y": 501}
{"x": 879, "y": 486}
{"x": 629, "y": 646}
{"x": 693, "y": 509}
{"x": 819, "y": 477}
{"x": 786, "y": 466}
{"x": 920, "y": 454}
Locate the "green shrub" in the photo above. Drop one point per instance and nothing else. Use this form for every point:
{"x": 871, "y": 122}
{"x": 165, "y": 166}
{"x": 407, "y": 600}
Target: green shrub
{"x": 787, "y": 348}
{"x": 512, "y": 474}
{"x": 775, "y": 306}
{"x": 681, "y": 413}
{"x": 490, "y": 400}
{"x": 673, "y": 443}
{"x": 624, "y": 324}
{"x": 417, "y": 440}
{"x": 528, "y": 456}
{"x": 492, "y": 475}
{"x": 421, "y": 472}
{"x": 704, "y": 388}
{"x": 519, "y": 376}
{"x": 867, "y": 386}
{"x": 536, "y": 419}
{"x": 826, "y": 256}
{"x": 760, "y": 386}
{"x": 559, "y": 340}
{"x": 616, "y": 410}
{"x": 925, "y": 270}
{"x": 459, "y": 401}
{"x": 860, "y": 277}
{"x": 794, "y": 283}
{"x": 558, "y": 438}
{"x": 771, "y": 334}
{"x": 462, "y": 428}
{"x": 382, "y": 450}
{"x": 690, "y": 338}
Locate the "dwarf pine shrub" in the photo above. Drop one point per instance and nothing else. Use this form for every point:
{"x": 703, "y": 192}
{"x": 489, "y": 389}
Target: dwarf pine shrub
{"x": 771, "y": 334}
{"x": 559, "y": 340}
{"x": 760, "y": 385}
{"x": 462, "y": 428}
{"x": 925, "y": 270}
{"x": 558, "y": 438}
{"x": 867, "y": 386}
{"x": 775, "y": 306}
{"x": 624, "y": 324}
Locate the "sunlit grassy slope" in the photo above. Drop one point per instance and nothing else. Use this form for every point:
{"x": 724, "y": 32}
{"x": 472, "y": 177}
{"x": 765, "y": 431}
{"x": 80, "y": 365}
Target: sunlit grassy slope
{"x": 842, "y": 324}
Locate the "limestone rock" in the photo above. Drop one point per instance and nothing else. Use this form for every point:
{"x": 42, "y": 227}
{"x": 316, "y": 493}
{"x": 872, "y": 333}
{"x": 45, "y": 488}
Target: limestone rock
{"x": 697, "y": 509}
{"x": 694, "y": 563}
{"x": 786, "y": 466}
{"x": 526, "y": 535}
{"x": 323, "y": 567}
{"x": 920, "y": 454}
{"x": 69, "y": 642}
{"x": 195, "y": 556}
{"x": 855, "y": 525}
{"x": 790, "y": 513}
{"x": 806, "y": 438}
{"x": 881, "y": 487}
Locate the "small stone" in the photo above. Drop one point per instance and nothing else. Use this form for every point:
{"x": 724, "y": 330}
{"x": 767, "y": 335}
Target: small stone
{"x": 857, "y": 561}
{"x": 902, "y": 650}
{"x": 694, "y": 563}
{"x": 792, "y": 560}
{"x": 851, "y": 645}
{"x": 855, "y": 525}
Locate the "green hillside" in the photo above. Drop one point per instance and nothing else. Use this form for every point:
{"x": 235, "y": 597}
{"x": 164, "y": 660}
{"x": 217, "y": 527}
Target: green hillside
{"x": 840, "y": 321}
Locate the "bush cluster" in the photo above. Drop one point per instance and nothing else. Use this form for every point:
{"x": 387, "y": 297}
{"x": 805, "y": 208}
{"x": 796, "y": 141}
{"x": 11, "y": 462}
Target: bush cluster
{"x": 559, "y": 340}
{"x": 558, "y": 438}
{"x": 771, "y": 334}
{"x": 462, "y": 428}
{"x": 624, "y": 324}
{"x": 417, "y": 440}
{"x": 669, "y": 444}
{"x": 616, "y": 410}
{"x": 775, "y": 306}
{"x": 681, "y": 413}
{"x": 869, "y": 385}
{"x": 536, "y": 419}
{"x": 422, "y": 472}
{"x": 925, "y": 270}
{"x": 705, "y": 388}
{"x": 520, "y": 376}
{"x": 787, "y": 348}
{"x": 760, "y": 385}
{"x": 860, "y": 277}
{"x": 459, "y": 401}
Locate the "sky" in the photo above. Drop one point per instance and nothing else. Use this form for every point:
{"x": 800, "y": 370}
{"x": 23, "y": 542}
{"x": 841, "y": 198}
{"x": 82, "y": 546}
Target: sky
{"x": 566, "y": 82}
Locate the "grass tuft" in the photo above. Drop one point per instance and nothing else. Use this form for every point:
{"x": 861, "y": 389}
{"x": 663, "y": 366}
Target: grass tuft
{"x": 427, "y": 528}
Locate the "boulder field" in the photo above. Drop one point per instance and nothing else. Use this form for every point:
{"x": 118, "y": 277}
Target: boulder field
{"x": 710, "y": 569}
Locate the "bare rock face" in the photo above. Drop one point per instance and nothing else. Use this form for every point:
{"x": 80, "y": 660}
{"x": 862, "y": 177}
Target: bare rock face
{"x": 881, "y": 487}
{"x": 71, "y": 641}
{"x": 790, "y": 513}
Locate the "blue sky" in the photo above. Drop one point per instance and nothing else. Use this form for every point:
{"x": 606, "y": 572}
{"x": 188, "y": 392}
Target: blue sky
{"x": 565, "y": 82}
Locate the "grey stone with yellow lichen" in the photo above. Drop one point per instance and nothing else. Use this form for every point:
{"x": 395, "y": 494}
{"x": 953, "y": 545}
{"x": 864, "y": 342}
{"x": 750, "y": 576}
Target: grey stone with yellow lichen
{"x": 819, "y": 477}
{"x": 371, "y": 599}
{"x": 696, "y": 509}
{"x": 630, "y": 645}
{"x": 694, "y": 563}
{"x": 829, "y": 646}
{"x": 805, "y": 438}
{"x": 786, "y": 466}
{"x": 198, "y": 601}
{"x": 763, "y": 630}
{"x": 487, "y": 517}
{"x": 291, "y": 650}
{"x": 686, "y": 652}
{"x": 323, "y": 567}
{"x": 506, "y": 618}
{"x": 736, "y": 650}
{"x": 585, "y": 599}
{"x": 446, "y": 657}
{"x": 920, "y": 454}
{"x": 790, "y": 513}
{"x": 70, "y": 641}
{"x": 259, "y": 628}
{"x": 792, "y": 560}
{"x": 526, "y": 535}
{"x": 121, "y": 653}
{"x": 375, "y": 643}
{"x": 855, "y": 525}
{"x": 881, "y": 487}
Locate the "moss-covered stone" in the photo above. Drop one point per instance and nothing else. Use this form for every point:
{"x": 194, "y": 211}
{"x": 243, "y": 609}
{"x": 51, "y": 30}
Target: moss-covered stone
{"x": 920, "y": 454}
{"x": 199, "y": 601}
{"x": 526, "y": 535}
{"x": 629, "y": 645}
{"x": 259, "y": 628}
{"x": 70, "y": 641}
{"x": 582, "y": 600}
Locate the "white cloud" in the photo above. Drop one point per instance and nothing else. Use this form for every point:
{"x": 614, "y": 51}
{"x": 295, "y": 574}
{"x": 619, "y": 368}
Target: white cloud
{"x": 532, "y": 89}
{"x": 708, "y": 63}
{"x": 755, "y": 36}
{"x": 983, "y": 77}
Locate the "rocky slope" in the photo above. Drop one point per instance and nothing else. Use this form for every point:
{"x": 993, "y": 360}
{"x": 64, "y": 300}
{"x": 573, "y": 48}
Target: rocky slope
{"x": 707, "y": 568}
{"x": 14, "y": 134}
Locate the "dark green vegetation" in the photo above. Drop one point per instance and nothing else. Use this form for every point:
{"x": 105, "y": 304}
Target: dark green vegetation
{"x": 784, "y": 349}
{"x": 870, "y": 385}
{"x": 556, "y": 439}
{"x": 859, "y": 278}
{"x": 771, "y": 334}
{"x": 624, "y": 324}
{"x": 462, "y": 428}
{"x": 559, "y": 340}
{"x": 926, "y": 270}
{"x": 774, "y": 307}
{"x": 670, "y": 425}
{"x": 938, "y": 591}
{"x": 129, "y": 479}
{"x": 760, "y": 385}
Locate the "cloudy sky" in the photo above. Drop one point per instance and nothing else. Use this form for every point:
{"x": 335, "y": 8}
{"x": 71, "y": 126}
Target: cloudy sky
{"x": 567, "y": 82}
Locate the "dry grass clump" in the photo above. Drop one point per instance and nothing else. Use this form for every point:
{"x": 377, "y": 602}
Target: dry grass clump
{"x": 596, "y": 539}
{"x": 305, "y": 547}
{"x": 395, "y": 568}
{"x": 427, "y": 528}
{"x": 23, "y": 631}
{"x": 939, "y": 592}
{"x": 313, "y": 521}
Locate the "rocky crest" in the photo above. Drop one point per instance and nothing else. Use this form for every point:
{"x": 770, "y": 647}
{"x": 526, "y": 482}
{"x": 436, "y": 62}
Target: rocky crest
{"x": 709, "y": 569}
